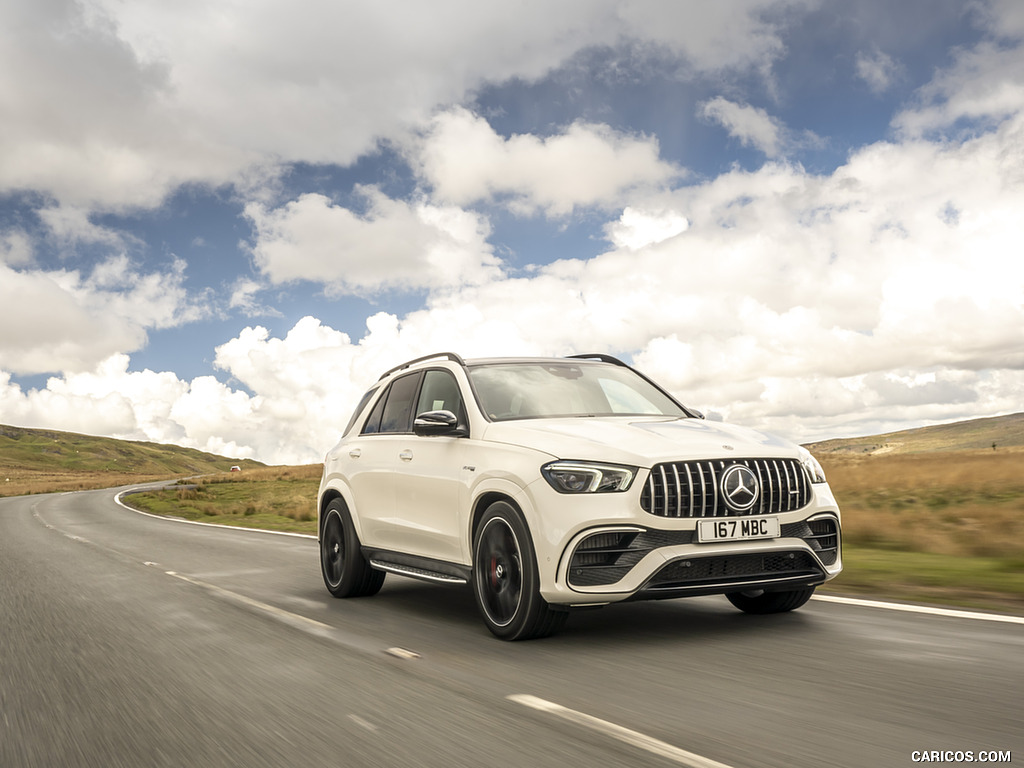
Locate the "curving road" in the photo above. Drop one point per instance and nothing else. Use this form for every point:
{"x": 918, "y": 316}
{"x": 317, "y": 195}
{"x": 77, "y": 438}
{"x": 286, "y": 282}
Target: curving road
{"x": 127, "y": 640}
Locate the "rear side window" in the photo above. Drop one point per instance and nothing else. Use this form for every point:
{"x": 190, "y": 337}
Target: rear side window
{"x": 393, "y": 412}
{"x": 359, "y": 409}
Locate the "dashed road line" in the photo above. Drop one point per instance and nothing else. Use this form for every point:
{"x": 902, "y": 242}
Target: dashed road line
{"x": 292, "y": 619}
{"x": 618, "y": 732}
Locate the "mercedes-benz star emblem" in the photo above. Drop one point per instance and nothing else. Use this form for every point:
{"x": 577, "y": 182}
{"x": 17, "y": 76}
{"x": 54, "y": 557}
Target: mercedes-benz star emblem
{"x": 740, "y": 488}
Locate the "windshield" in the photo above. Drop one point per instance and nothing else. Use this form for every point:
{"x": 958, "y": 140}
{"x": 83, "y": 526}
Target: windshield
{"x": 547, "y": 390}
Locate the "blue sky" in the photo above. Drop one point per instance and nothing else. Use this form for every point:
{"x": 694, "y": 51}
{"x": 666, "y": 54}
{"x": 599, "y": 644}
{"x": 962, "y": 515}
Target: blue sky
{"x": 219, "y": 224}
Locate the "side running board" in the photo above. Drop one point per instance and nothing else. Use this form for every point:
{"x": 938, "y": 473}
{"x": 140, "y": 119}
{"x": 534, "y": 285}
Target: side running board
{"x": 417, "y": 573}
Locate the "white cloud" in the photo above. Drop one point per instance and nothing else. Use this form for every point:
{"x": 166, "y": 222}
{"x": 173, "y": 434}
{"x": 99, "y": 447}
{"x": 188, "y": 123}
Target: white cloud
{"x": 16, "y": 248}
{"x": 888, "y": 291}
{"x": 983, "y": 87}
{"x": 110, "y": 104}
{"x": 243, "y": 297}
{"x": 465, "y": 161}
{"x": 63, "y": 320}
{"x": 70, "y": 226}
{"x": 753, "y": 126}
{"x": 811, "y": 305}
{"x": 395, "y": 244}
{"x": 738, "y": 34}
{"x": 637, "y": 228}
{"x": 877, "y": 69}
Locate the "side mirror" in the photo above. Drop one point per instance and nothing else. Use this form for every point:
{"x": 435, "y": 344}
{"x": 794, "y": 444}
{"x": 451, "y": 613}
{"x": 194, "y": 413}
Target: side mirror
{"x": 438, "y": 424}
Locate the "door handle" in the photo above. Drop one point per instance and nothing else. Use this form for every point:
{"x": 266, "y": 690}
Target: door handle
{"x": 405, "y": 455}
{"x": 355, "y": 453}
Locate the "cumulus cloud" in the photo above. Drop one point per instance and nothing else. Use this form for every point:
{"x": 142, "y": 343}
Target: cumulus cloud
{"x": 70, "y": 226}
{"x": 16, "y": 248}
{"x": 464, "y": 161}
{"x": 395, "y": 244}
{"x": 877, "y": 69}
{"x": 111, "y": 105}
{"x": 69, "y": 321}
{"x": 854, "y": 300}
{"x": 712, "y": 36}
{"x": 637, "y": 228}
{"x": 807, "y": 304}
{"x": 753, "y": 126}
{"x": 983, "y": 87}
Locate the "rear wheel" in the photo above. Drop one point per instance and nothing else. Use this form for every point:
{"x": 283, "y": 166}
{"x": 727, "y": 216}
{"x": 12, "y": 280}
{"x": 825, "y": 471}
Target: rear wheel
{"x": 505, "y": 580}
{"x": 760, "y": 602}
{"x": 346, "y": 572}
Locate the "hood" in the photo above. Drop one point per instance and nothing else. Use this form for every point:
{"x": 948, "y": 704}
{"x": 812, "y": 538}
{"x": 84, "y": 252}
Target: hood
{"x": 639, "y": 441}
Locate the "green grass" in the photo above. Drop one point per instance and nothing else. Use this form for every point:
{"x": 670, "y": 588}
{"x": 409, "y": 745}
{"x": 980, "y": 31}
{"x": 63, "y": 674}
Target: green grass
{"x": 990, "y": 583}
{"x": 274, "y": 498}
{"x": 44, "y": 461}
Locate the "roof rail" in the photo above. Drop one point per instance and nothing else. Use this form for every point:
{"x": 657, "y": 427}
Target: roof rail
{"x": 447, "y": 355}
{"x": 602, "y": 358}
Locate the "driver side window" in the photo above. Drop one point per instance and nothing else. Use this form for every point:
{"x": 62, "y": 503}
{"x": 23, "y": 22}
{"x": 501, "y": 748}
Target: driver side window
{"x": 440, "y": 392}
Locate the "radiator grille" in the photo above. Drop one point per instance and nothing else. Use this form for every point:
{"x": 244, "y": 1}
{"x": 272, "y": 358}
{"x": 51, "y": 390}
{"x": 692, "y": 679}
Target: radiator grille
{"x": 693, "y": 488}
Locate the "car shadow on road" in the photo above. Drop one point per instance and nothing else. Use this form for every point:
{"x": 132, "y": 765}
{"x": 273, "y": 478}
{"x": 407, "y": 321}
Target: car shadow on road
{"x": 452, "y": 609}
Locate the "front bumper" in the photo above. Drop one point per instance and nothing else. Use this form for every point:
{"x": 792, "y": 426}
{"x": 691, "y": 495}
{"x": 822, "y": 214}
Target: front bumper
{"x": 622, "y": 553}
{"x": 615, "y": 563}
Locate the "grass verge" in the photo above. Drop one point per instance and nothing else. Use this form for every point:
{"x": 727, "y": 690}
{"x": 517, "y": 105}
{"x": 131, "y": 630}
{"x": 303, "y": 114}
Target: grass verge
{"x": 984, "y": 583}
{"x": 275, "y": 498}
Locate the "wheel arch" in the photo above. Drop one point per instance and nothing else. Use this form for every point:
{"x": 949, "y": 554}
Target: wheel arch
{"x": 326, "y": 497}
{"x": 483, "y": 502}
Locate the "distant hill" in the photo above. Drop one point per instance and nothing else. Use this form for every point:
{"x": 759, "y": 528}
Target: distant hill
{"x": 973, "y": 435}
{"x": 29, "y": 457}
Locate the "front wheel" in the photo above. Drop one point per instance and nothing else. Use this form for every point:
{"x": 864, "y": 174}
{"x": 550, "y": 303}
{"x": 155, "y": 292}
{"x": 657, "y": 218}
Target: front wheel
{"x": 345, "y": 570}
{"x": 760, "y": 602}
{"x": 505, "y": 580}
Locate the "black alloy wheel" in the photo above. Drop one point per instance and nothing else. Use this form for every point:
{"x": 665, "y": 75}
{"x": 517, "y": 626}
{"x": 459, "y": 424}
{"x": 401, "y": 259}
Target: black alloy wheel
{"x": 505, "y": 579}
{"x": 346, "y": 572}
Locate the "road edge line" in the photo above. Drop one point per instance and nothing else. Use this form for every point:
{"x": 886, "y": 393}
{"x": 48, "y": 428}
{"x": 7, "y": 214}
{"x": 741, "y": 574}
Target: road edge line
{"x": 117, "y": 498}
{"x": 926, "y": 609}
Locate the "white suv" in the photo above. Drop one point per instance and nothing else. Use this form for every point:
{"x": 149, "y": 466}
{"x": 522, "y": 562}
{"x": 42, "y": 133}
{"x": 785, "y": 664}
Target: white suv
{"x": 557, "y": 483}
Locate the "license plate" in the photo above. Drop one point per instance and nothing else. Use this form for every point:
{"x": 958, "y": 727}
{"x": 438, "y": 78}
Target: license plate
{"x": 738, "y": 529}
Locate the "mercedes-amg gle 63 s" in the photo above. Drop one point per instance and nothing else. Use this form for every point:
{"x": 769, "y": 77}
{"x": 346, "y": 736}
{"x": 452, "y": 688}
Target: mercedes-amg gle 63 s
{"x": 550, "y": 484}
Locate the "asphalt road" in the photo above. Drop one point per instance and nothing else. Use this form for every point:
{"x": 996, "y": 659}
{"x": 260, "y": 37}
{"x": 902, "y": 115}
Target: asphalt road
{"x": 127, "y": 640}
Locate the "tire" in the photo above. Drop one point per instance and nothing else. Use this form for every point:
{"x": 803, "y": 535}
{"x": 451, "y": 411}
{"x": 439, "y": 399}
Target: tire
{"x": 761, "y": 602}
{"x": 346, "y": 572}
{"x": 505, "y": 580}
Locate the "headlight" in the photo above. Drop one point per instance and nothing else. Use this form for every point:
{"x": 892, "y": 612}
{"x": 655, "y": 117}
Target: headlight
{"x": 814, "y": 470}
{"x": 585, "y": 477}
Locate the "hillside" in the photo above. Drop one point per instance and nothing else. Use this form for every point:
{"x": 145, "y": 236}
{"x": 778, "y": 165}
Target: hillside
{"x": 1002, "y": 432}
{"x": 37, "y": 460}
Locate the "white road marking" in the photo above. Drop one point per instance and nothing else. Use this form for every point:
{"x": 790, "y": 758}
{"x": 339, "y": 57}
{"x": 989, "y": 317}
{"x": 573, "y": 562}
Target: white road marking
{"x": 626, "y": 735}
{"x": 293, "y": 619}
{"x": 402, "y": 653}
{"x": 118, "y": 496}
{"x": 927, "y": 609}
{"x": 359, "y": 721}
